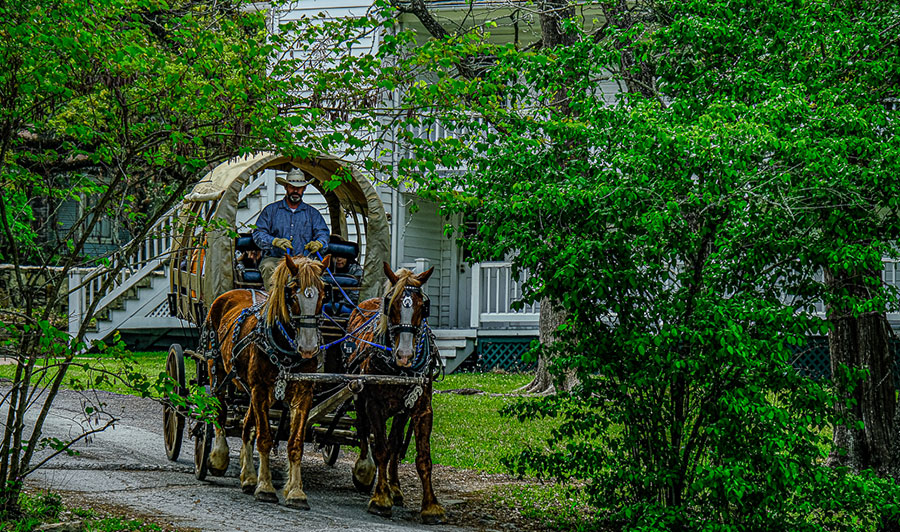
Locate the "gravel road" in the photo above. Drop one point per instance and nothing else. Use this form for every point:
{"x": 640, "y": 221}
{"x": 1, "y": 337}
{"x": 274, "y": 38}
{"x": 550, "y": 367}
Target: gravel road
{"x": 125, "y": 468}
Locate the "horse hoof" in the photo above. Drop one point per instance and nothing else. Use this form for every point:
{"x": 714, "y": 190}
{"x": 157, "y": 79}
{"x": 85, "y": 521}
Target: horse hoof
{"x": 298, "y": 504}
{"x": 248, "y": 488}
{"x": 215, "y": 472}
{"x": 380, "y": 511}
{"x": 266, "y": 496}
{"x": 362, "y": 487}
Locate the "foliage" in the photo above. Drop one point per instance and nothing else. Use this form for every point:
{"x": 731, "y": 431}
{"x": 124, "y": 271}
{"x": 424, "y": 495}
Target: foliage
{"x": 114, "y": 106}
{"x": 681, "y": 228}
{"x": 119, "y": 98}
{"x": 47, "y": 508}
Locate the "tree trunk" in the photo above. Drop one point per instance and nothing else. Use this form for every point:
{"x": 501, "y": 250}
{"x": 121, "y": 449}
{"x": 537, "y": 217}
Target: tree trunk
{"x": 543, "y": 383}
{"x": 860, "y": 345}
{"x": 553, "y": 12}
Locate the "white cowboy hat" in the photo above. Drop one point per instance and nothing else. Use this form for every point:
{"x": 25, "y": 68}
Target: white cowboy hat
{"x": 295, "y": 178}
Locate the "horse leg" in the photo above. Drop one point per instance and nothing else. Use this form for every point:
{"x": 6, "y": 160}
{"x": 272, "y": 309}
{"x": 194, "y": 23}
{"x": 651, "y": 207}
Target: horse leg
{"x": 248, "y": 474}
{"x": 364, "y": 467}
{"x": 301, "y": 401}
{"x": 381, "y": 502}
{"x": 398, "y": 431}
{"x": 218, "y": 457}
{"x": 432, "y": 512}
{"x": 259, "y": 399}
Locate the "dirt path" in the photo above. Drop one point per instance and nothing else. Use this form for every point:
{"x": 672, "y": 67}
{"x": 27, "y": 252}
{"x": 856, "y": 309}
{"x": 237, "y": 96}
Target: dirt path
{"x": 125, "y": 468}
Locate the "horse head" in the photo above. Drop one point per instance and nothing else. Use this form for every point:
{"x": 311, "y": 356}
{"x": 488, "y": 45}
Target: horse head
{"x": 296, "y": 299}
{"x": 405, "y": 309}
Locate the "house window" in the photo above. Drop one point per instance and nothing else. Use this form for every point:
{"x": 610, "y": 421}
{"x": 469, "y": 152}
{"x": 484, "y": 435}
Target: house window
{"x": 105, "y": 230}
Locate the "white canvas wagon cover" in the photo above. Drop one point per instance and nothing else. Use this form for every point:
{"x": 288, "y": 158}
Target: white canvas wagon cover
{"x": 215, "y": 198}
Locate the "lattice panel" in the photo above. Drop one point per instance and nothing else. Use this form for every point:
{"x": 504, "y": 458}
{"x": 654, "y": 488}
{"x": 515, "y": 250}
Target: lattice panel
{"x": 162, "y": 311}
{"x": 814, "y": 360}
{"x": 503, "y": 353}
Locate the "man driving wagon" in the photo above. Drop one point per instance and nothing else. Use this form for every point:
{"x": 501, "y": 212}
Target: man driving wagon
{"x": 283, "y": 224}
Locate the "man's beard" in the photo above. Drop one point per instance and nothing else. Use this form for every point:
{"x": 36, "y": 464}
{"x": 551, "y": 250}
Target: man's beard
{"x": 295, "y": 198}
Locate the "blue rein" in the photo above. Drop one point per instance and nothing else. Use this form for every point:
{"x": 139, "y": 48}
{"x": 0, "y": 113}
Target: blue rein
{"x": 350, "y": 334}
{"x": 355, "y": 306}
{"x": 363, "y": 312}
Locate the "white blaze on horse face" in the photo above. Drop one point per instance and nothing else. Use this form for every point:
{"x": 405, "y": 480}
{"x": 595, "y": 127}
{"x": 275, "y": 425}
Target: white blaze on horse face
{"x": 404, "y": 350}
{"x": 308, "y": 337}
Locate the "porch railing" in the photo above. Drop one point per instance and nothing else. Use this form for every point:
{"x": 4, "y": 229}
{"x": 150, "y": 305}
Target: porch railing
{"x": 86, "y": 284}
{"x": 494, "y": 291}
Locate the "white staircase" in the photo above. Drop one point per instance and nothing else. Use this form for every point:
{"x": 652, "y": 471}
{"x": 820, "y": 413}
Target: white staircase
{"x": 135, "y": 298}
{"x": 455, "y": 345}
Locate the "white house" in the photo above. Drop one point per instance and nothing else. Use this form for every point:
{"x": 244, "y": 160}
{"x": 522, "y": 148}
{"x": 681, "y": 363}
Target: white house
{"x": 471, "y": 304}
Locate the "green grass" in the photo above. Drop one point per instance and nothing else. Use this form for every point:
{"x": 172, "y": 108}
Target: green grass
{"x": 469, "y": 432}
{"x": 40, "y": 509}
{"x": 100, "y": 372}
{"x": 554, "y": 505}
{"x": 486, "y": 382}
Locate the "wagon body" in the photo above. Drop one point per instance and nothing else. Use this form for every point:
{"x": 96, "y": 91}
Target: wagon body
{"x": 203, "y": 266}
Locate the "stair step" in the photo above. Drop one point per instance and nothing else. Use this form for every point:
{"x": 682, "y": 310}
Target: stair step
{"x": 451, "y": 342}
{"x": 132, "y": 294}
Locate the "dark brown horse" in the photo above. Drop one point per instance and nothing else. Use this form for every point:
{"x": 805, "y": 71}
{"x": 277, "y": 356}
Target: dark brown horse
{"x": 391, "y": 337}
{"x": 259, "y": 342}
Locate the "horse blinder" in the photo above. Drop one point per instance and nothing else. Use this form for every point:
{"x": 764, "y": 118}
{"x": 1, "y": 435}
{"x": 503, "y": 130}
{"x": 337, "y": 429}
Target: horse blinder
{"x": 301, "y": 321}
{"x": 426, "y": 302}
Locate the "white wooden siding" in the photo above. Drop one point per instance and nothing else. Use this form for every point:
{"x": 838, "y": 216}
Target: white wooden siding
{"x": 327, "y": 10}
{"x": 421, "y": 237}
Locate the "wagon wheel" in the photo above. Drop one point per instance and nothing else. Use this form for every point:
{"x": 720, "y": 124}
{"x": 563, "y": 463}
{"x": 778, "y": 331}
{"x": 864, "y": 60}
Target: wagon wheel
{"x": 202, "y": 445}
{"x": 173, "y": 416}
{"x": 330, "y": 453}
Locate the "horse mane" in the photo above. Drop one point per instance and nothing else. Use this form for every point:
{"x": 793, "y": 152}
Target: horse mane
{"x": 404, "y": 278}
{"x": 308, "y": 275}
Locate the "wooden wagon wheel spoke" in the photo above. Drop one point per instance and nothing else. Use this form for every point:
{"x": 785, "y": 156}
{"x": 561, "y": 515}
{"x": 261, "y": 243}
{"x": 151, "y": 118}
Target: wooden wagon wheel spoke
{"x": 204, "y": 433}
{"x": 173, "y": 418}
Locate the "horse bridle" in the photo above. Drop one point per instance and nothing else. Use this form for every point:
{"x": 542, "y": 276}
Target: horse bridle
{"x": 406, "y": 302}
{"x": 301, "y": 321}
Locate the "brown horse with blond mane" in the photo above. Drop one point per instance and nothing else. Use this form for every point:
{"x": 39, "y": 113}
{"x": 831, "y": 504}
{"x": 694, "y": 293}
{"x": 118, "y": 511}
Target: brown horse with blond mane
{"x": 258, "y": 341}
{"x": 391, "y": 337}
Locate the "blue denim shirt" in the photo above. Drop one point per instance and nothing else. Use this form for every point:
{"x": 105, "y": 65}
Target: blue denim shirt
{"x": 300, "y": 227}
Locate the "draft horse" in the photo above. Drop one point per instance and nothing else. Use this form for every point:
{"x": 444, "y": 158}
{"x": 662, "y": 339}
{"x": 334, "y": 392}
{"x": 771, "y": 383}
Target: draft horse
{"x": 391, "y": 337}
{"x": 259, "y": 341}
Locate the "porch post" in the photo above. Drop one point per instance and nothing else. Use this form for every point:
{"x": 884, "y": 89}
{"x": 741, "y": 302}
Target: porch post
{"x": 76, "y": 300}
{"x": 475, "y": 308}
